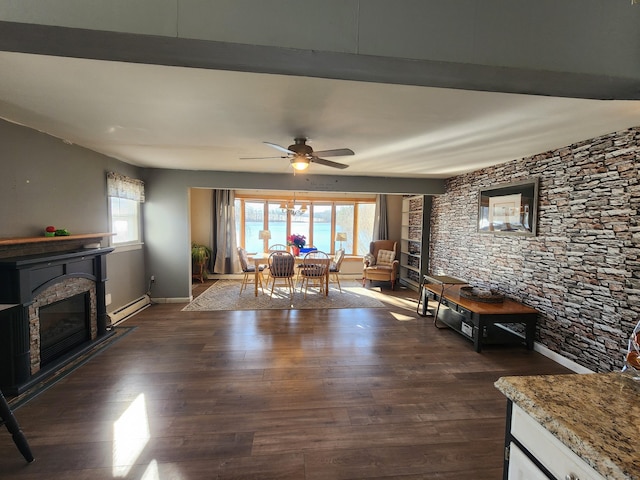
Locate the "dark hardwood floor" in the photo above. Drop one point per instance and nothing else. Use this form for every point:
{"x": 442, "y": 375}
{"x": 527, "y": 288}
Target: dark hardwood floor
{"x": 303, "y": 394}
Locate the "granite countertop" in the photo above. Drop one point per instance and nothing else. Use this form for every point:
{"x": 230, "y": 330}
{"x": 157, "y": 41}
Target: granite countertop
{"x": 597, "y": 416}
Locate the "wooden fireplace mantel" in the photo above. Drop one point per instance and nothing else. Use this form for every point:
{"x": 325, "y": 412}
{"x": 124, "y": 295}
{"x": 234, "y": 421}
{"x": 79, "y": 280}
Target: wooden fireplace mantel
{"x": 26, "y": 240}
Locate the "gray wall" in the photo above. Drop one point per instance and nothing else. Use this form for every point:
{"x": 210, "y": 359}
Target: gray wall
{"x": 46, "y": 182}
{"x": 582, "y": 270}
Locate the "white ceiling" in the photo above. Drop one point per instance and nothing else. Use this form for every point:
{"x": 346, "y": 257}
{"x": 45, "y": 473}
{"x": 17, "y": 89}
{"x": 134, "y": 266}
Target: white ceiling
{"x": 201, "y": 119}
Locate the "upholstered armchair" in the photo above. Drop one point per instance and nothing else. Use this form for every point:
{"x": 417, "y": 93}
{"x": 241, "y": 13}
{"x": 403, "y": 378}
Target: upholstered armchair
{"x": 380, "y": 263}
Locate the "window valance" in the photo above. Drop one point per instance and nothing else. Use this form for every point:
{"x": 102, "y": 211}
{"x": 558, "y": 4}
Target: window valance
{"x": 121, "y": 186}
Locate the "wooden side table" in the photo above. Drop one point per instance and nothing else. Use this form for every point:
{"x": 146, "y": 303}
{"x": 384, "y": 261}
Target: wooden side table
{"x": 443, "y": 281}
{"x": 484, "y": 323}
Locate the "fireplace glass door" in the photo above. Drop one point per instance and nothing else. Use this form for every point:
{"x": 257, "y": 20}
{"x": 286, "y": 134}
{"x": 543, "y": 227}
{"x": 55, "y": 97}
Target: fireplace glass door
{"x": 64, "y": 326}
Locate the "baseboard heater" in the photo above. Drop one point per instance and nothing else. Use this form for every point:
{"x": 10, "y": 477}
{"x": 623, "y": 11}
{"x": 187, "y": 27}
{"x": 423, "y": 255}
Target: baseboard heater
{"x": 130, "y": 309}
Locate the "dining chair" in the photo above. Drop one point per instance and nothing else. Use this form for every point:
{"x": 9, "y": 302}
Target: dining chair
{"x": 334, "y": 268}
{"x": 249, "y": 270}
{"x": 277, "y": 247}
{"x": 282, "y": 269}
{"x": 314, "y": 270}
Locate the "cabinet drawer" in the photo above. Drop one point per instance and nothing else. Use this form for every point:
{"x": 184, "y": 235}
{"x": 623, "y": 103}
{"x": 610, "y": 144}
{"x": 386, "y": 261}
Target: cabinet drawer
{"x": 465, "y": 313}
{"x": 549, "y": 451}
{"x": 521, "y": 468}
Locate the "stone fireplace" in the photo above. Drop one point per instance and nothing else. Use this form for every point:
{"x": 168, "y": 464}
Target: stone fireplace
{"x": 61, "y": 318}
{"x": 53, "y": 310}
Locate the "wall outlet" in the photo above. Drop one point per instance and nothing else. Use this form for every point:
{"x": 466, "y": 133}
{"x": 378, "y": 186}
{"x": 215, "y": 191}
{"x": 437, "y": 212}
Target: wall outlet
{"x": 153, "y": 278}
{"x": 107, "y": 299}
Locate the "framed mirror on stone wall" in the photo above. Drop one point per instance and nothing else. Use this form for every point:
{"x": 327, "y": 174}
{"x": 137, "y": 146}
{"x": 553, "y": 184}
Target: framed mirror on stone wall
{"x": 509, "y": 208}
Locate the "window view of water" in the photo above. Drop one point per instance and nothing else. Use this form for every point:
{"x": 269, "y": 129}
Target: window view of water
{"x": 321, "y": 235}
{"x": 350, "y": 219}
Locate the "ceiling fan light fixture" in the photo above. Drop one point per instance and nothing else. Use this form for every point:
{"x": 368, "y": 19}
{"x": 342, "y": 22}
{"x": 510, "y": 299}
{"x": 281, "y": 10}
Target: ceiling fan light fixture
{"x": 300, "y": 162}
{"x": 300, "y": 155}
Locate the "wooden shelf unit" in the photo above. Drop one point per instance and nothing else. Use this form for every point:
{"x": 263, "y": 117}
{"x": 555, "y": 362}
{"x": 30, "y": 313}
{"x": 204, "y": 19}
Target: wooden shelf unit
{"x": 414, "y": 240}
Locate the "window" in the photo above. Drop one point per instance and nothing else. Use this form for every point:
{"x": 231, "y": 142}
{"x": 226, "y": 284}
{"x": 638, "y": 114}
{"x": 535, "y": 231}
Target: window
{"x": 125, "y": 221}
{"x": 276, "y": 224}
{"x": 322, "y": 227}
{"x": 320, "y": 222}
{"x": 253, "y": 223}
{"x": 345, "y": 220}
{"x": 125, "y": 196}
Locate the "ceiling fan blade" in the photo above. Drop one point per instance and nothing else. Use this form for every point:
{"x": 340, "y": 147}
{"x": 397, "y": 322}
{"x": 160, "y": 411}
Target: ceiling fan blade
{"x": 278, "y": 147}
{"x": 260, "y": 158}
{"x": 337, "y": 152}
{"x": 328, "y": 163}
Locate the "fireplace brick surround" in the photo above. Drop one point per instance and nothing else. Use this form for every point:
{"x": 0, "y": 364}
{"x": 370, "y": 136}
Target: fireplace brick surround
{"x": 62, "y": 290}
{"x": 32, "y": 276}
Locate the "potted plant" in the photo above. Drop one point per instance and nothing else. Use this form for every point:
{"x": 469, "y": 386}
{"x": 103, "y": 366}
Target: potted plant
{"x": 200, "y": 255}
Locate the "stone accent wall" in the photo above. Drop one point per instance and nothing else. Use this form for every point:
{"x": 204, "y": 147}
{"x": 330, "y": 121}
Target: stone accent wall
{"x": 59, "y": 291}
{"x": 582, "y": 270}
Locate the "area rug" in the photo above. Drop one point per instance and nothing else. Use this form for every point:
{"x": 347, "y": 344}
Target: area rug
{"x": 225, "y": 295}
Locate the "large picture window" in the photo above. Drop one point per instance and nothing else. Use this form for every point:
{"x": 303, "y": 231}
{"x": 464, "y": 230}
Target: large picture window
{"x": 320, "y": 220}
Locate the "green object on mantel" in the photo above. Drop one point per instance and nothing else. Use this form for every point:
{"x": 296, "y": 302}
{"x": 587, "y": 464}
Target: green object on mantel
{"x": 62, "y": 232}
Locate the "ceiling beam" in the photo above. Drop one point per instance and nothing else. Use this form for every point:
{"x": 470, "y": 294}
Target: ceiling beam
{"x": 170, "y": 51}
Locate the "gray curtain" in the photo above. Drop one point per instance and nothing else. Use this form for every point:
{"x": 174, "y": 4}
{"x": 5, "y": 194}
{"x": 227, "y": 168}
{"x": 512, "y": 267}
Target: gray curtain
{"x": 225, "y": 246}
{"x": 381, "y": 225}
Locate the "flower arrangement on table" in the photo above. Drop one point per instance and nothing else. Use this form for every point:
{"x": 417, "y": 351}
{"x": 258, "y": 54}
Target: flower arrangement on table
{"x": 296, "y": 242}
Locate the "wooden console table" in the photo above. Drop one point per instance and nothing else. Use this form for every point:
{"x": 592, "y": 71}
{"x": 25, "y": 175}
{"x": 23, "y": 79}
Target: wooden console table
{"x": 484, "y": 323}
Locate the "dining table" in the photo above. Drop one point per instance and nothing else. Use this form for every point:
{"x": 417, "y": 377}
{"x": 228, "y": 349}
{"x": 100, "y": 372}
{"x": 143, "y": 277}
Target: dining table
{"x": 263, "y": 259}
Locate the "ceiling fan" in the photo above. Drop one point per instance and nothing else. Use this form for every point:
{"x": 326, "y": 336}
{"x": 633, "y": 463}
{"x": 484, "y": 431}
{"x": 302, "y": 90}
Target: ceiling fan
{"x": 300, "y": 154}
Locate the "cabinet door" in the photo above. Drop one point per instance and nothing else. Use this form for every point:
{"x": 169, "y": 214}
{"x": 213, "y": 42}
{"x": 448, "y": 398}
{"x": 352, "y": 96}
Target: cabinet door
{"x": 556, "y": 457}
{"x": 521, "y": 468}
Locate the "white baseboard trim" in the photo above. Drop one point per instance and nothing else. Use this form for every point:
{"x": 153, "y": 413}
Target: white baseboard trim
{"x": 172, "y": 300}
{"x": 129, "y": 310}
{"x": 564, "y": 361}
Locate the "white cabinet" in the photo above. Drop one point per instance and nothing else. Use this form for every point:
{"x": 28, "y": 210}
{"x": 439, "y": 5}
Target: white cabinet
{"x": 414, "y": 239}
{"x": 521, "y": 467}
{"x": 539, "y": 444}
